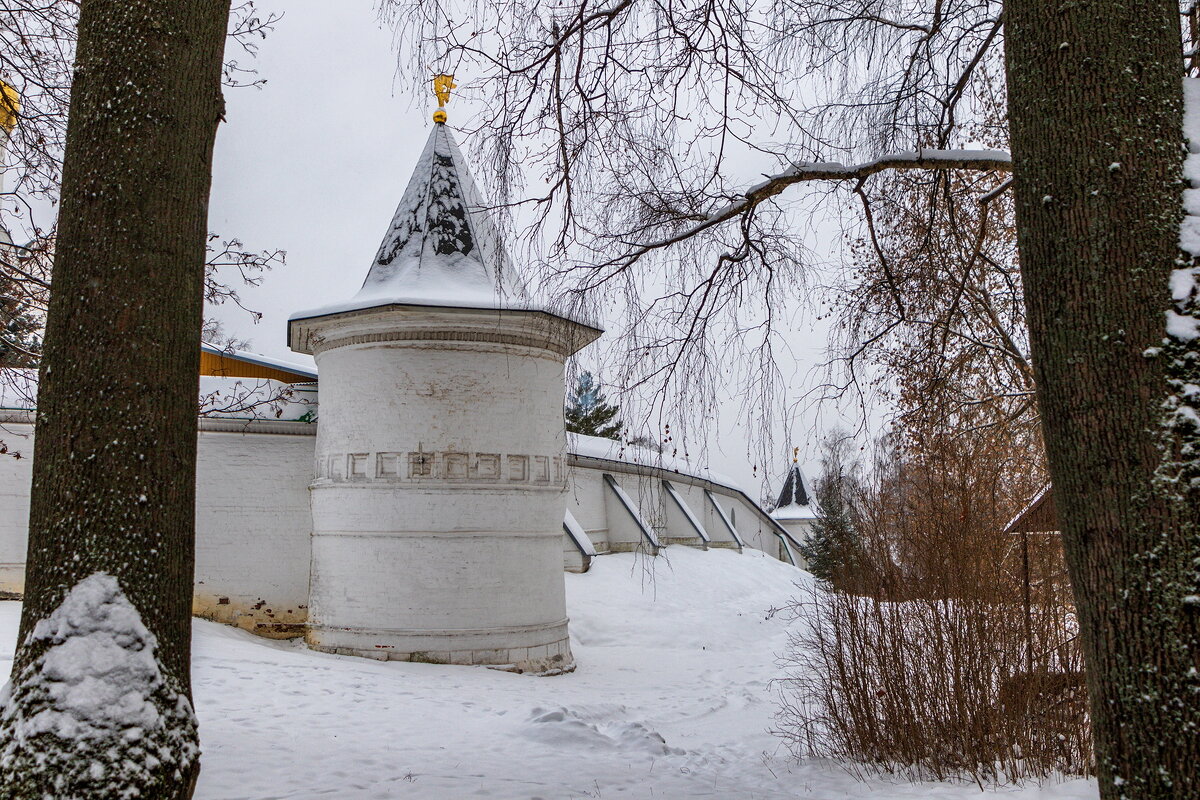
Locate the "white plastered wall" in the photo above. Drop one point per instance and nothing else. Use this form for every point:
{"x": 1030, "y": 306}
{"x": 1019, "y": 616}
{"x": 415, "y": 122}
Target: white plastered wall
{"x": 585, "y": 498}
{"x": 252, "y": 521}
{"x": 799, "y": 528}
{"x": 254, "y": 524}
{"x": 610, "y": 528}
{"x": 438, "y": 496}
{"x": 16, "y": 476}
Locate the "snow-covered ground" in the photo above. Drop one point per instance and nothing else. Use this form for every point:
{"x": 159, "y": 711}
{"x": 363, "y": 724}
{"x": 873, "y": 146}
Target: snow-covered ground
{"x": 672, "y": 700}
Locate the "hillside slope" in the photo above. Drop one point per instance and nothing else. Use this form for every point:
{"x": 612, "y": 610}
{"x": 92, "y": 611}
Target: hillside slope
{"x": 671, "y": 700}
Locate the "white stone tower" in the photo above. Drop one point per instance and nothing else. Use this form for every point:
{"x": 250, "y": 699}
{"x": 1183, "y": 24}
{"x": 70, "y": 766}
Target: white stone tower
{"x": 438, "y": 498}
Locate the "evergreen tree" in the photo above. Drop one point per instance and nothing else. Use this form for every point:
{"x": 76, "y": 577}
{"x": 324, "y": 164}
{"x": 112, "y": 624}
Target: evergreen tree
{"x": 832, "y": 545}
{"x": 20, "y": 328}
{"x": 589, "y": 412}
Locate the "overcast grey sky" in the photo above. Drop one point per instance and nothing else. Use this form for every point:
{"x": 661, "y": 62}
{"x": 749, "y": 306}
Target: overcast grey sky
{"x": 315, "y": 162}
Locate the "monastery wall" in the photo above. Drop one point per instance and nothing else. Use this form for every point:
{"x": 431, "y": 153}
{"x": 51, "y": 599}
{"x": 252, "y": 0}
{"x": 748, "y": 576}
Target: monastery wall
{"x": 593, "y": 502}
{"x": 16, "y": 476}
{"x": 253, "y": 525}
{"x": 253, "y": 520}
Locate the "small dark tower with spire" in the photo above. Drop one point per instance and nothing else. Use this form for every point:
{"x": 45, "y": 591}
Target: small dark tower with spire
{"x": 796, "y": 509}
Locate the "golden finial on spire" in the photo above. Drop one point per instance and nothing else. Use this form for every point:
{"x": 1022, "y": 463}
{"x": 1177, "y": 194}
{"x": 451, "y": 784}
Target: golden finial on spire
{"x": 9, "y": 106}
{"x": 442, "y": 84}
{"x": 795, "y": 455}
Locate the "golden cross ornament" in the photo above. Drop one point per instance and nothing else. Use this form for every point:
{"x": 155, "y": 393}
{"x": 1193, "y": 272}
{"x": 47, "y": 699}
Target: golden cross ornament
{"x": 442, "y": 84}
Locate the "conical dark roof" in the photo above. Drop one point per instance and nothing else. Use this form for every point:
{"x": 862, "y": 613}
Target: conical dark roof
{"x": 795, "y": 489}
{"x": 441, "y": 244}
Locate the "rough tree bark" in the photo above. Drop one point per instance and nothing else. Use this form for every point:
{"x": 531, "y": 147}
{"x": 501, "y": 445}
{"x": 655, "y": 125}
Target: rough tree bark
{"x": 1095, "y": 116}
{"x": 114, "y": 468}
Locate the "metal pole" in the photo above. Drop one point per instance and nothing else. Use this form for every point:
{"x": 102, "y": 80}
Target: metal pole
{"x": 1028, "y": 604}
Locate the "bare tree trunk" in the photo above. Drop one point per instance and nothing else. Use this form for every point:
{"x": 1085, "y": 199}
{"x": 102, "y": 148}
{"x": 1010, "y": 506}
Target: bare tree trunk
{"x": 114, "y": 469}
{"x": 1096, "y": 124}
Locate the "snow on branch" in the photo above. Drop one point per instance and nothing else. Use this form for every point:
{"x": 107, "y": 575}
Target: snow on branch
{"x": 803, "y": 172}
{"x": 980, "y": 160}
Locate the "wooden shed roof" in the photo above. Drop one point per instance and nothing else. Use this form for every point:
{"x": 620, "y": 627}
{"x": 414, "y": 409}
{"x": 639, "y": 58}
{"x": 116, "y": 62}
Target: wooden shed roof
{"x": 1040, "y": 516}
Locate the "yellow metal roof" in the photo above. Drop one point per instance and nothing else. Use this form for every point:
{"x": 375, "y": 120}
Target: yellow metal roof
{"x": 10, "y": 104}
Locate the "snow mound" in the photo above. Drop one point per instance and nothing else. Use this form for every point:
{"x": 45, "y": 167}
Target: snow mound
{"x": 93, "y": 715}
{"x": 566, "y": 727}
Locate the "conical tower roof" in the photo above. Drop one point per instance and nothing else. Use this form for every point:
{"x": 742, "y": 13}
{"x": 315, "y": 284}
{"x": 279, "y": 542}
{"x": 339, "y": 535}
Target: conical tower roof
{"x": 795, "y": 489}
{"x": 441, "y": 246}
{"x": 796, "y": 498}
{"x": 441, "y": 250}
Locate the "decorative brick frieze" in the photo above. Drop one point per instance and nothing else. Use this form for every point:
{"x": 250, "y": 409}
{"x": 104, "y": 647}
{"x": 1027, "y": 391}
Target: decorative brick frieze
{"x": 450, "y": 466}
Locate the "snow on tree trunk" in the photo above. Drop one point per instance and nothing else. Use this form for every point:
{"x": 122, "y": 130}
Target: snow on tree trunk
{"x": 94, "y": 715}
{"x": 1180, "y": 349}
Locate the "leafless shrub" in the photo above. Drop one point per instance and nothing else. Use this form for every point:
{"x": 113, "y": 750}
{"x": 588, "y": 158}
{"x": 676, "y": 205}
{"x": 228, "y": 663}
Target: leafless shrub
{"x": 954, "y": 656}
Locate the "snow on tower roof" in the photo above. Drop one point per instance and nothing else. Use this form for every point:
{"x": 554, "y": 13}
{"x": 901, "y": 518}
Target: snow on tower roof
{"x": 796, "y": 498}
{"x": 441, "y": 244}
{"x": 442, "y": 248}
